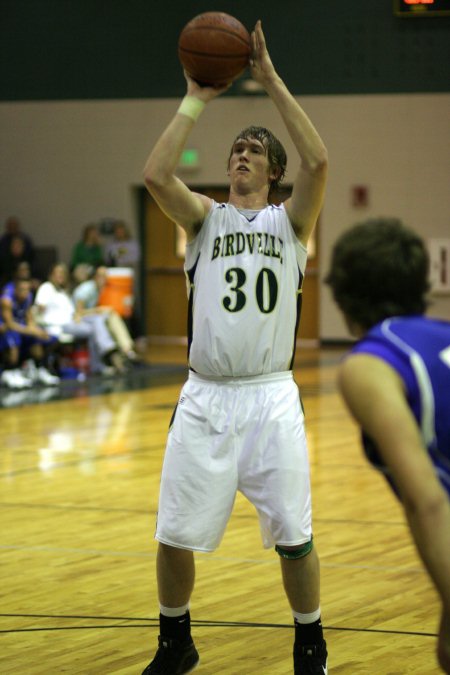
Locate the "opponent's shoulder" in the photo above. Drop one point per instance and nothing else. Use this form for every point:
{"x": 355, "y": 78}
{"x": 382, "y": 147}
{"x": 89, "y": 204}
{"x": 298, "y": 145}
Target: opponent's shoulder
{"x": 365, "y": 371}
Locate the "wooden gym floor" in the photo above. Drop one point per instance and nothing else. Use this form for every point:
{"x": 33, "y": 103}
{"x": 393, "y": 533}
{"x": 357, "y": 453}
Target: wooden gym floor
{"x": 79, "y": 483}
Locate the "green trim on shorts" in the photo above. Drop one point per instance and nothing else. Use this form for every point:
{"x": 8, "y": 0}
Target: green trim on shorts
{"x": 299, "y": 552}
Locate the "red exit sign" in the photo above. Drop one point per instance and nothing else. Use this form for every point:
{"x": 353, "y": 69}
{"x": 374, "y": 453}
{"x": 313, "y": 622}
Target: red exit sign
{"x": 422, "y": 7}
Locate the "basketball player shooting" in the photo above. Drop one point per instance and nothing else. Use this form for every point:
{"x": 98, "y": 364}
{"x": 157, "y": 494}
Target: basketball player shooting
{"x": 239, "y": 423}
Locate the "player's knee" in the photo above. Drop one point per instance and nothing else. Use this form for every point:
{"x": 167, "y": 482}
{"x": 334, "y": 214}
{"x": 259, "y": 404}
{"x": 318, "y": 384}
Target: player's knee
{"x": 295, "y": 552}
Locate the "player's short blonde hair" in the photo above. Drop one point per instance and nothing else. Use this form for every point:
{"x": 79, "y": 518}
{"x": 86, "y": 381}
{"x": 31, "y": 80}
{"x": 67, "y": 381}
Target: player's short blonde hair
{"x": 275, "y": 151}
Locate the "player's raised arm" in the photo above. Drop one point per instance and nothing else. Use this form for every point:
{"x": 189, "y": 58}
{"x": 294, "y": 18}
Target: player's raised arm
{"x": 309, "y": 185}
{"x": 184, "y": 207}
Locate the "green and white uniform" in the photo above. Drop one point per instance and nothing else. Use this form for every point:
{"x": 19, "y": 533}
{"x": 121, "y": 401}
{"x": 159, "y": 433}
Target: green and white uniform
{"x": 245, "y": 271}
{"x": 239, "y": 424}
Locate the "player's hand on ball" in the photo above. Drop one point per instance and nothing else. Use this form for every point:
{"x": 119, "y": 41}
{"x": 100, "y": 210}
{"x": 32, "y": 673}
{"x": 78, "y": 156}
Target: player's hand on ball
{"x": 261, "y": 66}
{"x": 204, "y": 92}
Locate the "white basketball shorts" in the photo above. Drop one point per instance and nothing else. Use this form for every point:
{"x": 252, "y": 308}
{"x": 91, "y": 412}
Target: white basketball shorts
{"x": 245, "y": 434}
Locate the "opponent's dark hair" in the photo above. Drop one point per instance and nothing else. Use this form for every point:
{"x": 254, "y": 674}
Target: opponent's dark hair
{"x": 275, "y": 151}
{"x": 379, "y": 268}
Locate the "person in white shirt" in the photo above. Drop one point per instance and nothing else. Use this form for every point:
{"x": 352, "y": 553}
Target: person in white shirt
{"x": 56, "y": 312}
{"x": 86, "y": 298}
{"x": 239, "y": 424}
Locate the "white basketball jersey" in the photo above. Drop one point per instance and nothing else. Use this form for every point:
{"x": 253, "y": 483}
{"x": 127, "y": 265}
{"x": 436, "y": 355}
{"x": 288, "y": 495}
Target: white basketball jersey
{"x": 245, "y": 271}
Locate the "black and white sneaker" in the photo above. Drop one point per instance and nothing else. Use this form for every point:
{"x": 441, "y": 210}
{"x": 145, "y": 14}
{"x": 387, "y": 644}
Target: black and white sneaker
{"x": 310, "y": 659}
{"x": 173, "y": 658}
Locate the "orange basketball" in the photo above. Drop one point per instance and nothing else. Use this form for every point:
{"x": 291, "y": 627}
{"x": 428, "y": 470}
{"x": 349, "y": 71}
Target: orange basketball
{"x": 214, "y": 48}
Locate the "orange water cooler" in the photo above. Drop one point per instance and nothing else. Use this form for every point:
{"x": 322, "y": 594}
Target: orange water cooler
{"x": 118, "y": 291}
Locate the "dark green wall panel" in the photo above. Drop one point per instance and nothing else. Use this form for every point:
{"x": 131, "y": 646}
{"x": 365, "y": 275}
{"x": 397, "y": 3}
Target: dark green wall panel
{"x": 92, "y": 49}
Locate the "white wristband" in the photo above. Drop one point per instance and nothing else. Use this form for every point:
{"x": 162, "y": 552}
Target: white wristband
{"x": 191, "y": 106}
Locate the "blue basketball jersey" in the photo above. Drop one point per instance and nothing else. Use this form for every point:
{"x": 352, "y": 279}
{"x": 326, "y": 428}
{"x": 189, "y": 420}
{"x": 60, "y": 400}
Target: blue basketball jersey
{"x": 19, "y": 309}
{"x": 418, "y": 348}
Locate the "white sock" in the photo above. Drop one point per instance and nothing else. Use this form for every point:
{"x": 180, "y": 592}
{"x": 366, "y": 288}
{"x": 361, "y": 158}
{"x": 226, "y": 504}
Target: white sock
{"x": 306, "y": 618}
{"x": 173, "y": 611}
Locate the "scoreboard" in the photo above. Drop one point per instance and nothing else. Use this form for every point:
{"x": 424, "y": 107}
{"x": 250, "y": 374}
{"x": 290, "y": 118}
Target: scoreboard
{"x": 418, "y": 8}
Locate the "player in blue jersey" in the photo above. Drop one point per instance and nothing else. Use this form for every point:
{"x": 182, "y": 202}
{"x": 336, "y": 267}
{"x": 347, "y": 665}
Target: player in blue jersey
{"x": 22, "y": 340}
{"x": 239, "y": 423}
{"x": 396, "y": 383}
